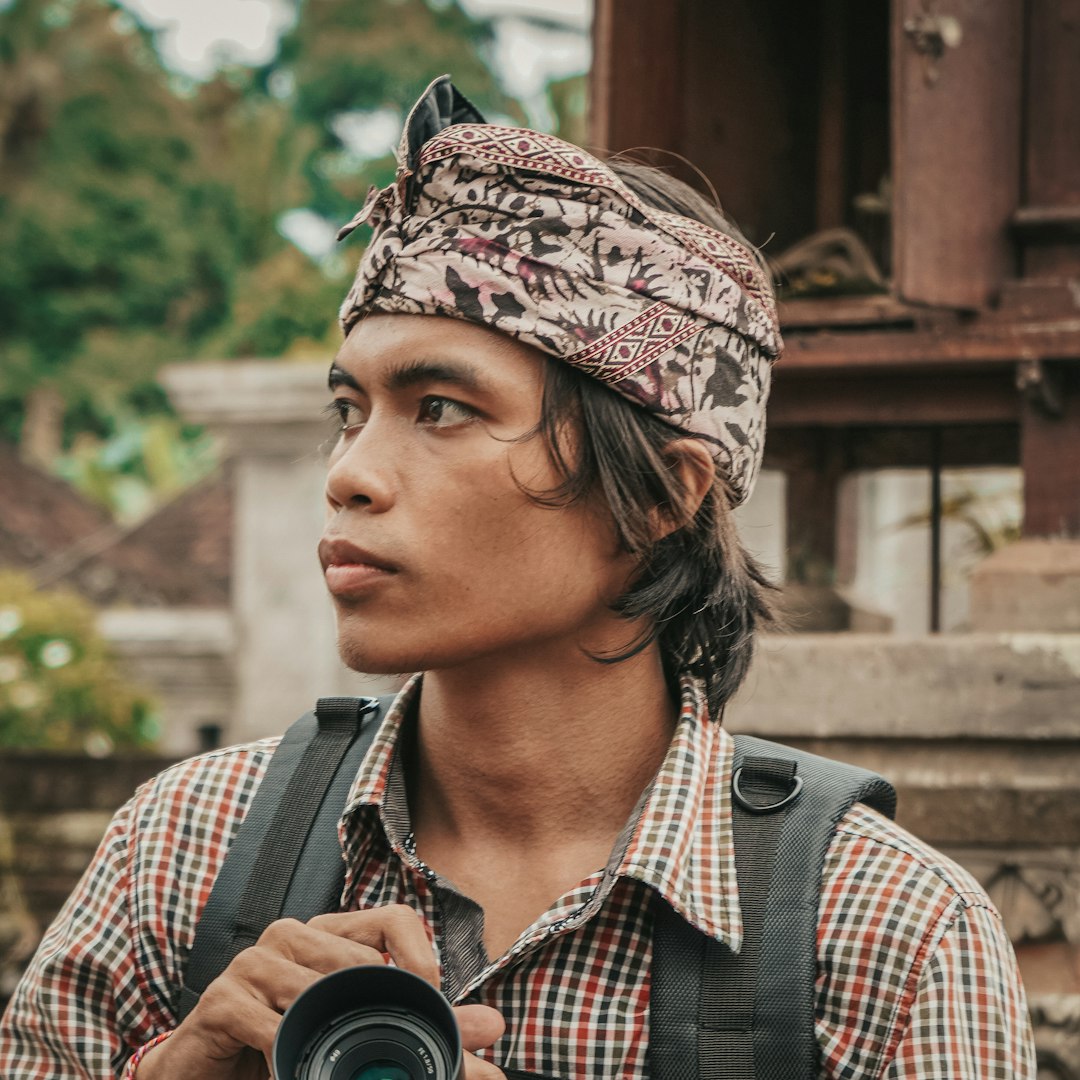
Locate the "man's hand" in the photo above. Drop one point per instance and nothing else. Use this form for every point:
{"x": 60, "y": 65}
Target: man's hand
{"x": 230, "y": 1033}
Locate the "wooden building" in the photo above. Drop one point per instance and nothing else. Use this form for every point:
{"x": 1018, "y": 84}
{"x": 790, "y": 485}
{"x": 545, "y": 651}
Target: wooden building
{"x": 911, "y": 168}
{"x": 924, "y": 156}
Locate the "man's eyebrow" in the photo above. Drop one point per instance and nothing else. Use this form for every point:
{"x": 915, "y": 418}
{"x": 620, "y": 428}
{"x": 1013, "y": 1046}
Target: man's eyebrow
{"x": 340, "y": 377}
{"x": 412, "y": 372}
{"x": 422, "y": 370}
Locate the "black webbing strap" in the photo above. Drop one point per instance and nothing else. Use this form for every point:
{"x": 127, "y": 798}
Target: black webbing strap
{"x": 285, "y": 861}
{"x": 750, "y": 1016}
{"x": 712, "y": 1015}
{"x": 729, "y": 980}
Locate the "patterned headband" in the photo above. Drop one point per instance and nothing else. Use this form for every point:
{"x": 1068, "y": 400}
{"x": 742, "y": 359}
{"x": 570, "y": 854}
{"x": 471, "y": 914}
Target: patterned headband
{"x": 527, "y": 234}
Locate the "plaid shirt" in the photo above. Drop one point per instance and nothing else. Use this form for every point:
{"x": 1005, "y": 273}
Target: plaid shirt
{"x": 916, "y": 977}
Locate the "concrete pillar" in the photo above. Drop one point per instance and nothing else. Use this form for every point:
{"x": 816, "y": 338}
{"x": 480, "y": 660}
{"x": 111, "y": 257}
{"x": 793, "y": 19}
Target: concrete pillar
{"x": 269, "y": 414}
{"x": 188, "y": 656}
{"x": 1031, "y": 585}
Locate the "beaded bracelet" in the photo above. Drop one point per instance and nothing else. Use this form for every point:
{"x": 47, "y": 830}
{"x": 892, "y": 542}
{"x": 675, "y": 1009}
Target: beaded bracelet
{"x": 133, "y": 1063}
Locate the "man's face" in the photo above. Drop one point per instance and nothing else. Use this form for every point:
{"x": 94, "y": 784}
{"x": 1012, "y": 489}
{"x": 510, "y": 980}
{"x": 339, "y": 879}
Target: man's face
{"x": 433, "y": 553}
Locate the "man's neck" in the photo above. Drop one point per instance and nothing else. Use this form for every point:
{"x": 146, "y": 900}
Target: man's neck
{"x": 523, "y": 753}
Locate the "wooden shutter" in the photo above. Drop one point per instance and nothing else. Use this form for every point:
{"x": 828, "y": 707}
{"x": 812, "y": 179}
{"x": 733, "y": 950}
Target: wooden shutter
{"x": 956, "y": 149}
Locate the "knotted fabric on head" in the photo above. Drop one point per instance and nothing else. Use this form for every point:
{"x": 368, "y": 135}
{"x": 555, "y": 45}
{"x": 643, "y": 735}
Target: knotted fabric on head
{"x": 524, "y": 233}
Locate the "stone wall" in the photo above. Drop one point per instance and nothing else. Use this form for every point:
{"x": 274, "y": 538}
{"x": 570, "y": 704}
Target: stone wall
{"x": 53, "y": 811}
{"x": 186, "y": 658}
{"x": 980, "y": 734}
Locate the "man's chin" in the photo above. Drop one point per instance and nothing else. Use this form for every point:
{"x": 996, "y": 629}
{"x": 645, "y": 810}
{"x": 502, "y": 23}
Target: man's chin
{"x": 373, "y": 654}
{"x": 367, "y": 661}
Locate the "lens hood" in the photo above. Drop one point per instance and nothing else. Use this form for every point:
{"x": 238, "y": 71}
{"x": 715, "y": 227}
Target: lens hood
{"x": 369, "y": 1023}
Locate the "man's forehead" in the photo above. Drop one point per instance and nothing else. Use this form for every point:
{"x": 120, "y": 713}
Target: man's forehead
{"x": 404, "y": 350}
{"x": 391, "y": 330}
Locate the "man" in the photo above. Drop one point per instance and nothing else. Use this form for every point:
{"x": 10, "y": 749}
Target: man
{"x": 550, "y": 395}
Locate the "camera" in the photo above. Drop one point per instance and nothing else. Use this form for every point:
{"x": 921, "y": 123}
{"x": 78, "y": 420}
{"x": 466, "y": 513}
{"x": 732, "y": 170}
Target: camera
{"x": 369, "y": 1023}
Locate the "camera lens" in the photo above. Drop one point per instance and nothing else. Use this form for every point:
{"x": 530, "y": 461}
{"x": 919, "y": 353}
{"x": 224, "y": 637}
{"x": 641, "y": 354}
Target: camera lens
{"x": 382, "y": 1070}
{"x": 369, "y": 1023}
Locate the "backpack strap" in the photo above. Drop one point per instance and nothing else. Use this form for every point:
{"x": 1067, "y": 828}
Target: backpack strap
{"x": 285, "y": 860}
{"x": 750, "y": 1016}
{"x": 713, "y": 1013}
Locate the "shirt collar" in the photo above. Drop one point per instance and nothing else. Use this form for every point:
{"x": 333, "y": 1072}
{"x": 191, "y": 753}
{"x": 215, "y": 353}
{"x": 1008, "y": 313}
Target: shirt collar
{"x": 369, "y": 787}
{"x": 682, "y": 843}
{"x": 678, "y": 840}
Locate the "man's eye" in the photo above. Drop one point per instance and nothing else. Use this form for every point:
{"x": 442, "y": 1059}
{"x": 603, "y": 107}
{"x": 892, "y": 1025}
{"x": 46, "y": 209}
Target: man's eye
{"x": 444, "y": 412}
{"x": 346, "y": 414}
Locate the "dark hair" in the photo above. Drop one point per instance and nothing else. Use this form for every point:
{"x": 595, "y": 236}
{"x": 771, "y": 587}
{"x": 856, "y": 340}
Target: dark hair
{"x": 702, "y": 594}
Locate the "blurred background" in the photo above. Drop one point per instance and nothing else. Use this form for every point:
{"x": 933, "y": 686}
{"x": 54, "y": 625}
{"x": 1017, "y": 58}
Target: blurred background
{"x": 172, "y": 174}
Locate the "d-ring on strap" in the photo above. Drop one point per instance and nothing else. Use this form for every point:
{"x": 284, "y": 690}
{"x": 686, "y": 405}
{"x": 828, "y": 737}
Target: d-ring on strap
{"x": 770, "y": 771}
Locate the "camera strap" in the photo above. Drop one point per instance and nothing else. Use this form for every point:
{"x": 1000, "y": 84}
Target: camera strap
{"x": 285, "y": 860}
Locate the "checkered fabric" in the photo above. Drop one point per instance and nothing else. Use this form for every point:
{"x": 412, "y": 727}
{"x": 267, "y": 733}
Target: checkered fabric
{"x": 916, "y": 977}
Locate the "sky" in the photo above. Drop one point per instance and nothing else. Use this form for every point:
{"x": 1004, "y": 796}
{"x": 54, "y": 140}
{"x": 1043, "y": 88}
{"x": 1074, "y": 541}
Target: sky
{"x": 196, "y": 36}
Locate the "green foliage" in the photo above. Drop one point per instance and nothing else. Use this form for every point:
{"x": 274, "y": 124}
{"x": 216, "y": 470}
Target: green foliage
{"x": 347, "y": 56}
{"x": 59, "y": 687}
{"x": 570, "y": 103}
{"x": 139, "y": 212}
{"x": 282, "y": 308}
{"x": 988, "y": 511}
{"x": 112, "y": 221}
{"x": 142, "y": 460}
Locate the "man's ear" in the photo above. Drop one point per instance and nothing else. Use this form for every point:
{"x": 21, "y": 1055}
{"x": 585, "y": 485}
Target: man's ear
{"x": 691, "y": 460}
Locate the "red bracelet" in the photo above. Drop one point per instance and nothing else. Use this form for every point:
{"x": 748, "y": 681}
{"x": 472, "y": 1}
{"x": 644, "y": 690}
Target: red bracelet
{"x": 133, "y": 1063}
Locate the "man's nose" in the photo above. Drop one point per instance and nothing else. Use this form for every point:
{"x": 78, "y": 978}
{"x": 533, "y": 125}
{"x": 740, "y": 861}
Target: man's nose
{"x": 360, "y": 472}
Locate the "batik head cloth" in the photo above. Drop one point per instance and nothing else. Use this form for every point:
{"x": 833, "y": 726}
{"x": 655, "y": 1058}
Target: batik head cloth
{"x": 527, "y": 234}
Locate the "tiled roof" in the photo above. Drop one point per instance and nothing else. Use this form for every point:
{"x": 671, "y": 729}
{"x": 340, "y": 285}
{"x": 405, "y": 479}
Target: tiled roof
{"x": 40, "y": 515}
{"x": 179, "y": 556}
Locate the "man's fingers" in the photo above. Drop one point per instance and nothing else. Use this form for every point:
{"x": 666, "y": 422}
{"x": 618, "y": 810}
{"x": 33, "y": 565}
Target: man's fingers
{"x": 479, "y": 1025}
{"x": 205, "y": 1043}
{"x": 475, "y": 1069}
{"x": 395, "y": 929}
{"x": 265, "y": 976}
{"x": 313, "y": 948}
{"x": 231, "y": 1031}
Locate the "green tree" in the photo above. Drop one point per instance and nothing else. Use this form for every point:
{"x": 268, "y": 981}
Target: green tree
{"x": 59, "y": 687}
{"x": 113, "y": 224}
{"x": 356, "y": 56}
{"x": 136, "y": 210}
{"x": 141, "y": 212}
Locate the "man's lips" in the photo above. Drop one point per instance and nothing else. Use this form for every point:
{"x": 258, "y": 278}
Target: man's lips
{"x": 349, "y": 568}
